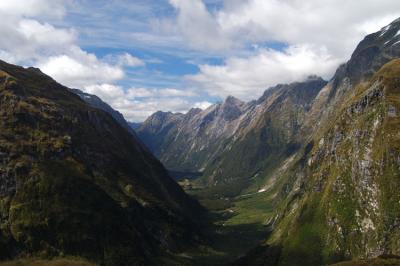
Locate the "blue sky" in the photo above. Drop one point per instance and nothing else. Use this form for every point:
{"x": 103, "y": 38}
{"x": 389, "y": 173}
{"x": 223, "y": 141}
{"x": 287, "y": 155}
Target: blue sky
{"x": 113, "y": 27}
{"x": 141, "y": 56}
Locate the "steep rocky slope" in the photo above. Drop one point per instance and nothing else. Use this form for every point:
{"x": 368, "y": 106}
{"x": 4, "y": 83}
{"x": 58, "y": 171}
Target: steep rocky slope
{"x": 74, "y": 181}
{"x": 190, "y": 141}
{"x": 96, "y": 102}
{"x": 233, "y": 141}
{"x": 324, "y": 157}
{"x": 269, "y": 133}
{"x": 337, "y": 198}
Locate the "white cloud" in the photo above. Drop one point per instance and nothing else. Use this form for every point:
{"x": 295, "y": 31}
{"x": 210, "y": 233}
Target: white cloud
{"x": 129, "y": 60}
{"x": 107, "y": 92}
{"x": 136, "y": 104}
{"x": 319, "y": 35}
{"x": 164, "y": 92}
{"x": 44, "y": 34}
{"x": 139, "y": 93}
{"x": 124, "y": 59}
{"x": 202, "y": 105}
{"x": 248, "y": 77}
{"x": 334, "y": 24}
{"x": 198, "y": 26}
{"x": 27, "y": 41}
{"x": 171, "y": 92}
{"x": 78, "y": 68}
{"x": 23, "y": 37}
{"x": 49, "y": 8}
{"x": 140, "y": 110}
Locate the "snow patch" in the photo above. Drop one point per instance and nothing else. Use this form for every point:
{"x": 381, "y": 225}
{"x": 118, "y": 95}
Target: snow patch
{"x": 384, "y": 30}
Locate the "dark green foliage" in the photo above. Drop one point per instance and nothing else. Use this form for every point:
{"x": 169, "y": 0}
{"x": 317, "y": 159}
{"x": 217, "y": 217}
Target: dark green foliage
{"x": 75, "y": 182}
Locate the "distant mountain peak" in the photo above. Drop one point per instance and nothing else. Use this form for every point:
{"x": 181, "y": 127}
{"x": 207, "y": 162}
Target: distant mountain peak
{"x": 233, "y": 100}
{"x": 193, "y": 111}
{"x": 313, "y": 77}
{"x": 390, "y": 33}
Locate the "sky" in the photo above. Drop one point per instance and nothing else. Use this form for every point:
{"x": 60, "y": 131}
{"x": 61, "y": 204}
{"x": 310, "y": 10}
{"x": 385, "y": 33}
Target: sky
{"x": 141, "y": 56}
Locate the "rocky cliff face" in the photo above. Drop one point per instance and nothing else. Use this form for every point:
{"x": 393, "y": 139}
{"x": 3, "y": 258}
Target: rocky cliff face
{"x": 74, "y": 181}
{"x": 189, "y": 141}
{"x": 336, "y": 199}
{"x": 233, "y": 141}
{"x": 270, "y": 131}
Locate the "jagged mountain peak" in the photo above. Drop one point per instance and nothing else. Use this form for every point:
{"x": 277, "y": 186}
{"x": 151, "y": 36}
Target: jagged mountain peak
{"x": 391, "y": 31}
{"x": 193, "y": 111}
{"x": 231, "y": 100}
{"x": 161, "y": 115}
{"x": 305, "y": 87}
{"x": 200, "y": 135}
{"x": 313, "y": 77}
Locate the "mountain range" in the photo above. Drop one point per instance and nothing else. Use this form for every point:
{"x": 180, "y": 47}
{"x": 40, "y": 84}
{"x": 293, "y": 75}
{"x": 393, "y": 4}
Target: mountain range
{"x": 324, "y": 154}
{"x": 315, "y": 162}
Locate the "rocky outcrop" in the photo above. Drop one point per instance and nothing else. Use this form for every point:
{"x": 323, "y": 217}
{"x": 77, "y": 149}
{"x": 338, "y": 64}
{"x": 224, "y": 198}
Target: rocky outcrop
{"x": 338, "y": 201}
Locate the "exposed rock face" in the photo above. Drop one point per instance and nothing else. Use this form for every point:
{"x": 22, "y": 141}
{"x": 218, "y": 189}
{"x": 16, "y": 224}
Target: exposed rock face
{"x": 338, "y": 199}
{"x": 330, "y": 153}
{"x": 347, "y": 204}
{"x": 205, "y": 140}
{"x": 189, "y": 141}
{"x": 74, "y": 181}
{"x": 268, "y": 133}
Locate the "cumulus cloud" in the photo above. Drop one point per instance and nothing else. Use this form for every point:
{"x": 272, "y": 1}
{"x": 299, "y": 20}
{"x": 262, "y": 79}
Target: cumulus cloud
{"x": 315, "y": 35}
{"x": 318, "y": 36}
{"x": 24, "y": 38}
{"x": 335, "y": 24}
{"x": 164, "y": 92}
{"x": 77, "y": 68}
{"x": 248, "y": 77}
{"x": 27, "y": 41}
{"x": 198, "y": 26}
{"x": 202, "y": 105}
{"x": 139, "y": 103}
{"x": 48, "y": 8}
